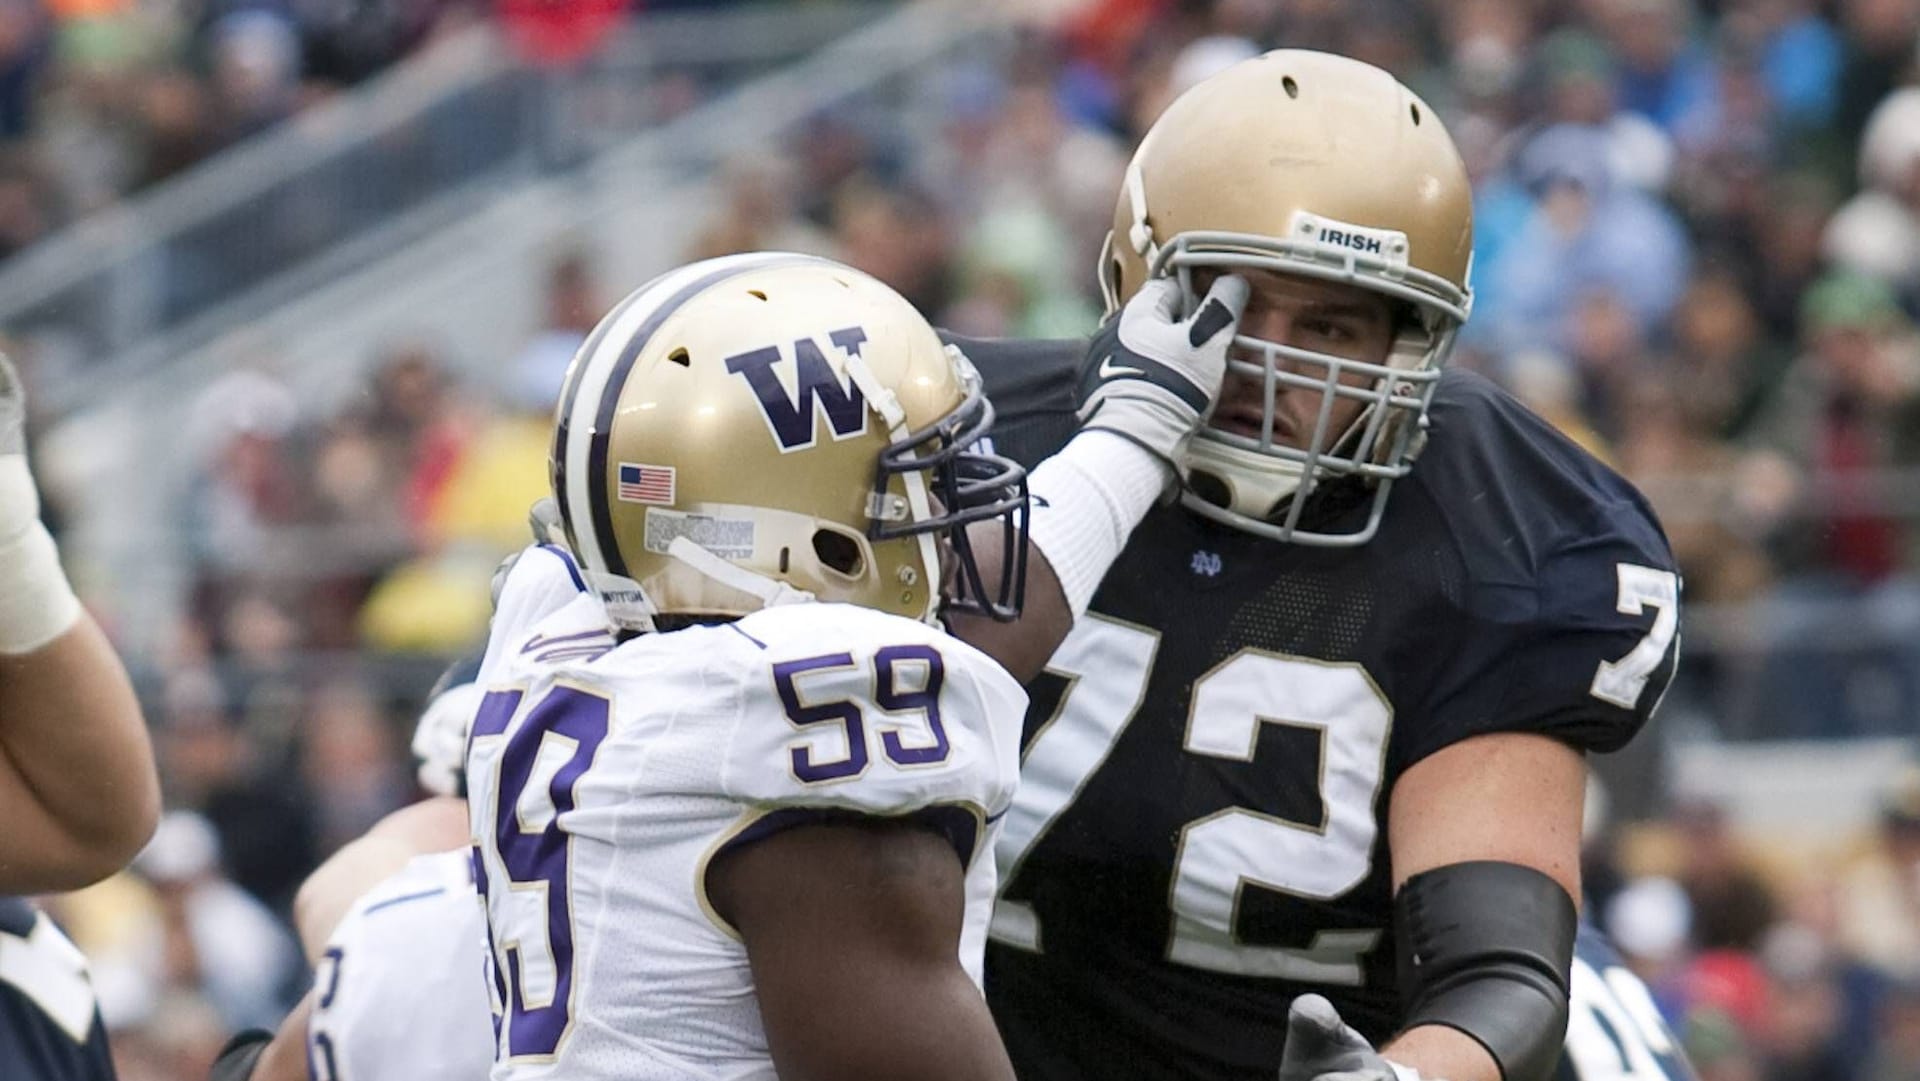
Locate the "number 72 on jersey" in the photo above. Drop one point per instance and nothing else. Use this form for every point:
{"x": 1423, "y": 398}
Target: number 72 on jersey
{"x": 1108, "y": 664}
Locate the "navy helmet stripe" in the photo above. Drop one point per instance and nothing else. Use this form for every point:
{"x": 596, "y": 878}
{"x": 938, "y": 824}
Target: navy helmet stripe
{"x": 602, "y": 509}
{"x": 563, "y": 417}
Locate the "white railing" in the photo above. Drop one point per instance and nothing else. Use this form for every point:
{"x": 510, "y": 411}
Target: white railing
{"x": 466, "y": 269}
{"x": 463, "y": 114}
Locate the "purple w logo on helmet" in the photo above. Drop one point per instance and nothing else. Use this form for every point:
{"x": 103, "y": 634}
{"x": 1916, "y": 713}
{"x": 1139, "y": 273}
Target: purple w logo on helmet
{"x": 793, "y": 419}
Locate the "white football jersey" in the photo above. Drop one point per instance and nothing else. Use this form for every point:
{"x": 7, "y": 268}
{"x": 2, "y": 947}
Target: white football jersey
{"x": 603, "y": 780}
{"x": 400, "y": 993}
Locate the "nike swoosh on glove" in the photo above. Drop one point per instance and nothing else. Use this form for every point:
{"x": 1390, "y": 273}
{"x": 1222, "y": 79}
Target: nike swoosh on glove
{"x": 1154, "y": 375}
{"x": 1322, "y": 1047}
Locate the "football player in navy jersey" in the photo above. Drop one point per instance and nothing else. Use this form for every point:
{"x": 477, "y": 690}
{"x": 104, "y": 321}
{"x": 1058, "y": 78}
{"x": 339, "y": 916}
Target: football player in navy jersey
{"x": 50, "y": 1027}
{"x": 1614, "y": 1029}
{"x": 1302, "y": 788}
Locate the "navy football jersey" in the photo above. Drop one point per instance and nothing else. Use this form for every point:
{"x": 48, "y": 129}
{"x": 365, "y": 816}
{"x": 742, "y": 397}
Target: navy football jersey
{"x": 1210, "y": 758}
{"x": 50, "y": 1028}
{"x": 1614, "y": 1030}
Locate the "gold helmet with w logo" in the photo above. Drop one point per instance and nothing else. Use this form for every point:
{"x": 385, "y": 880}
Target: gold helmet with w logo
{"x": 756, "y": 428}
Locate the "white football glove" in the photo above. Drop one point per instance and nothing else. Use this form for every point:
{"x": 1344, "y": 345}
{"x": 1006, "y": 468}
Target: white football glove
{"x": 1322, "y": 1047}
{"x": 36, "y": 603}
{"x": 440, "y": 739}
{"x": 543, "y": 518}
{"x": 1158, "y": 374}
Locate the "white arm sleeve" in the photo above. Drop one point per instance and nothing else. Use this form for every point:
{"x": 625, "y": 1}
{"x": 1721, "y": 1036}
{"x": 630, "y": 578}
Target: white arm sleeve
{"x": 1087, "y": 499}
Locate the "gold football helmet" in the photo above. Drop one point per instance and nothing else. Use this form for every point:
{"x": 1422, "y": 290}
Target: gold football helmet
{"x": 1309, "y": 164}
{"x": 758, "y": 428}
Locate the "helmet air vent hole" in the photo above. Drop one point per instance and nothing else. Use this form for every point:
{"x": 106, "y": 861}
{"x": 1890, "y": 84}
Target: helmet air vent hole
{"x": 681, "y": 357}
{"x": 1415, "y": 110}
{"x": 786, "y": 555}
{"x": 1292, "y": 88}
{"x": 757, "y": 293}
{"x": 837, "y": 551}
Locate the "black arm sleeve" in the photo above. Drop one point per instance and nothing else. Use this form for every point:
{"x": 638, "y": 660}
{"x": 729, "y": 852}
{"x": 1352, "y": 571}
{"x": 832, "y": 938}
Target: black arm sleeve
{"x": 236, "y": 1060}
{"x": 1486, "y": 948}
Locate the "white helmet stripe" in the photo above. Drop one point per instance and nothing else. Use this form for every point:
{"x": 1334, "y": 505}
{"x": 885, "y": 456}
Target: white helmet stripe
{"x": 593, "y": 391}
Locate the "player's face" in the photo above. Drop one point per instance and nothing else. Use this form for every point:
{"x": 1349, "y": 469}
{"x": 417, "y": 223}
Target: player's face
{"x": 1345, "y": 321}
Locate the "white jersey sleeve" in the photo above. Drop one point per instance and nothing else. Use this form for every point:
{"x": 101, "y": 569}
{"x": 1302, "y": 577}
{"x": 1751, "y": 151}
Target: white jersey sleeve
{"x": 400, "y": 993}
{"x": 541, "y": 582}
{"x": 606, "y": 777}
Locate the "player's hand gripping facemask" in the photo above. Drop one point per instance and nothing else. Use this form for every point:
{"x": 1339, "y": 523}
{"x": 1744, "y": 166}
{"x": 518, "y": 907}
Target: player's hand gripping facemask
{"x": 1152, "y": 374}
{"x": 1316, "y": 167}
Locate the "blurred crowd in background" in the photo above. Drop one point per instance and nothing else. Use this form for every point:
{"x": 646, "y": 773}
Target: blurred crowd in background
{"x": 100, "y": 98}
{"x": 1698, "y": 253}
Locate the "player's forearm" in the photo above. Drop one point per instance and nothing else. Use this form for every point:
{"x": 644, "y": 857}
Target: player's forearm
{"x": 1441, "y": 1052}
{"x": 327, "y": 893}
{"x": 937, "y": 1029}
{"x": 78, "y": 790}
{"x": 437, "y": 824}
{"x": 1022, "y": 646}
{"x": 254, "y": 1055}
{"x": 1087, "y": 499}
{"x": 285, "y": 1059}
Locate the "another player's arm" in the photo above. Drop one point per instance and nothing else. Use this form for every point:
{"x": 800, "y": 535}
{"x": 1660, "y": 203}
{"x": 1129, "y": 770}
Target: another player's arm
{"x": 1484, "y": 834}
{"x": 285, "y": 1058}
{"x": 1484, "y": 838}
{"x": 853, "y": 932}
{"x": 1485, "y": 842}
{"x": 435, "y": 824}
{"x": 1152, "y": 378}
{"x": 78, "y": 790}
{"x": 258, "y": 1055}
{"x": 1022, "y": 646}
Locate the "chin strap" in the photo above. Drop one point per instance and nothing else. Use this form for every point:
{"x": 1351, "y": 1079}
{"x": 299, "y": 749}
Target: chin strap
{"x": 771, "y": 591}
{"x": 1139, "y": 234}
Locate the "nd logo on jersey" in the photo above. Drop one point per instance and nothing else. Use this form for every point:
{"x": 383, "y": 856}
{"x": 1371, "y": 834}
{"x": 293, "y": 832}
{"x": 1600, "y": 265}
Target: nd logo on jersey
{"x": 792, "y": 418}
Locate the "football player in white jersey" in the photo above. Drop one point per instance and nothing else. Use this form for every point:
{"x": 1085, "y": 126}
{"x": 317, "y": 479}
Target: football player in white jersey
{"x": 1173, "y": 368}
{"x": 400, "y": 985}
{"x": 735, "y": 804}
{"x": 396, "y": 936}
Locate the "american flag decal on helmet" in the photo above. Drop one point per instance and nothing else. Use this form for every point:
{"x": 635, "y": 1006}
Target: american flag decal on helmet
{"x": 646, "y": 484}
